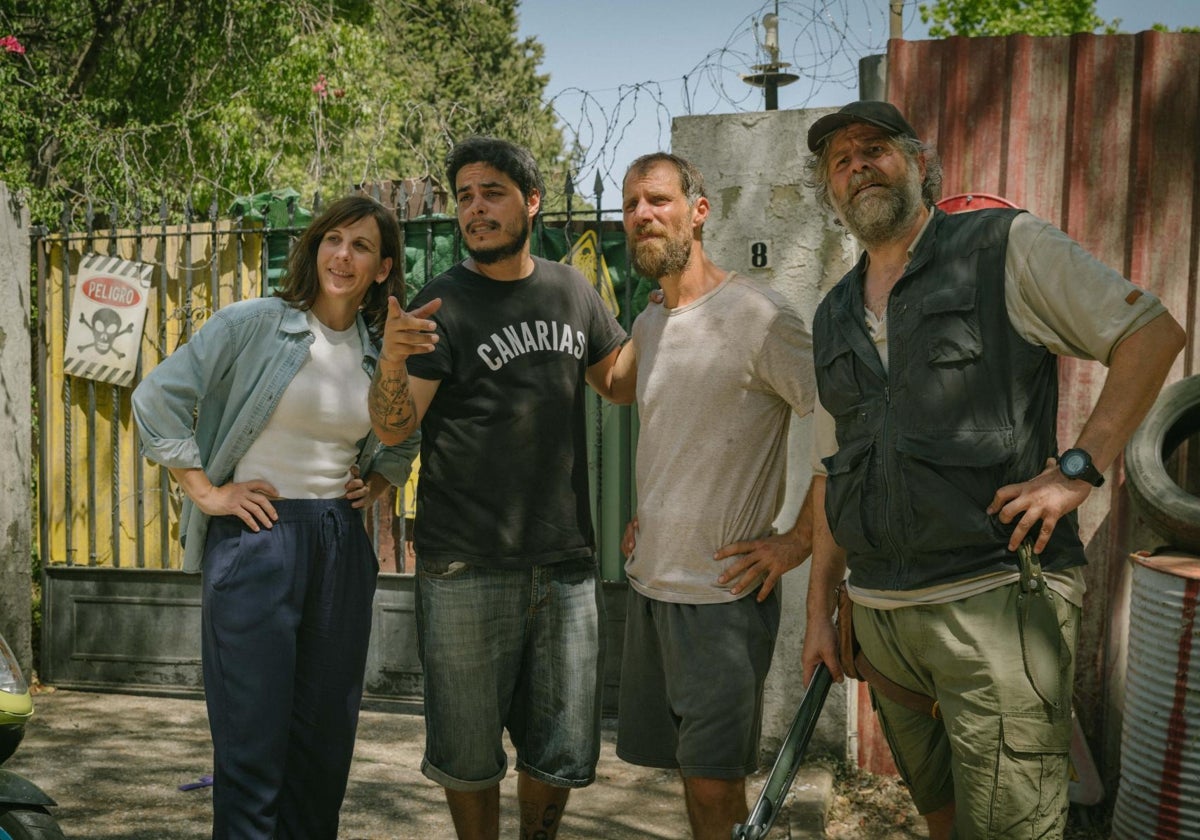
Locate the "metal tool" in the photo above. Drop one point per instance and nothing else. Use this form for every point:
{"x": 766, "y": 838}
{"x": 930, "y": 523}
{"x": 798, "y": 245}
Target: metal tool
{"x": 763, "y": 815}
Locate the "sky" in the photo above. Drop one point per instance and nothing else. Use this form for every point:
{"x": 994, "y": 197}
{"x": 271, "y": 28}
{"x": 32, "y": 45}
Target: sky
{"x": 620, "y": 70}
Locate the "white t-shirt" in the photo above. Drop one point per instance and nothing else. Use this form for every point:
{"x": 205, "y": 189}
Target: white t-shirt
{"x": 311, "y": 440}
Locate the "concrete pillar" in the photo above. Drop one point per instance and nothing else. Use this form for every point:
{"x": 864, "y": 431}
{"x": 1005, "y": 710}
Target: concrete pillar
{"x": 872, "y": 77}
{"x": 16, "y": 400}
{"x": 766, "y": 224}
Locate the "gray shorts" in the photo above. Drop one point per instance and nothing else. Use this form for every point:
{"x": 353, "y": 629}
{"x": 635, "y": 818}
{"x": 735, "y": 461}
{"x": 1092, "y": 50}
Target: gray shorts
{"x": 691, "y": 684}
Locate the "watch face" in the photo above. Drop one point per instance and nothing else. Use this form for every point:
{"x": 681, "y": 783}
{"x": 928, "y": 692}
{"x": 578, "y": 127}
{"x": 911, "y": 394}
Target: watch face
{"x": 1073, "y": 462}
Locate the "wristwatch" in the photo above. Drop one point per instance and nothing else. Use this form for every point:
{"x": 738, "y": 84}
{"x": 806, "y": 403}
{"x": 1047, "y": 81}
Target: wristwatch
{"x": 1077, "y": 463}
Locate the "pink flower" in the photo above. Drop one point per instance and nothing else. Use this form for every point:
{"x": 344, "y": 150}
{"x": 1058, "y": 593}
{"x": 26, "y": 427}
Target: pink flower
{"x": 12, "y": 45}
{"x": 320, "y": 88}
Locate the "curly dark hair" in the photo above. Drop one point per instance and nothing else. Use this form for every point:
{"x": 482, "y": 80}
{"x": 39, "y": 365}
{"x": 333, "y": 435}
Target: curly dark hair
{"x": 300, "y": 284}
{"x": 514, "y": 161}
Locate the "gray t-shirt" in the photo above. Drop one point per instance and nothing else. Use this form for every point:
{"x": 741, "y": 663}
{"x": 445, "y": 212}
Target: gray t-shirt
{"x": 718, "y": 380}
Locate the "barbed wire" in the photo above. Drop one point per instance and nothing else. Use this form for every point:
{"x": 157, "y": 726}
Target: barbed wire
{"x": 822, "y": 41}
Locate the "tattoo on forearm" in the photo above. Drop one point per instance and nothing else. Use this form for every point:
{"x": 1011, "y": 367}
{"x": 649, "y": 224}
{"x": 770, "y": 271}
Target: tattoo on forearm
{"x": 390, "y": 402}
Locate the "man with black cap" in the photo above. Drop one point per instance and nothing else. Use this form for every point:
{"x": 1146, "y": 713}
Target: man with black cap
{"x": 942, "y": 488}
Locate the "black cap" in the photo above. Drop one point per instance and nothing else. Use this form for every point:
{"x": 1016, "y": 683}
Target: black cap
{"x": 882, "y": 114}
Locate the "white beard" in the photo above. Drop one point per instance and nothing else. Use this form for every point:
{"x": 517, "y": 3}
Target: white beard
{"x": 885, "y": 214}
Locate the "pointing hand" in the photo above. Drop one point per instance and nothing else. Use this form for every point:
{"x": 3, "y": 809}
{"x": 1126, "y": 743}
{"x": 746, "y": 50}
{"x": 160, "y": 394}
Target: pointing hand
{"x": 409, "y": 333}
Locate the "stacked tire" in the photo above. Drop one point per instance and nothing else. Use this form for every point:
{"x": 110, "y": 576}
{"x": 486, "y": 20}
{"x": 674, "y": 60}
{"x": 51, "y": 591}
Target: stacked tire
{"x": 1167, "y": 508}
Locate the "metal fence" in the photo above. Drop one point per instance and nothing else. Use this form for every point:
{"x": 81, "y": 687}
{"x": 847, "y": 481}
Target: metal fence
{"x": 100, "y": 504}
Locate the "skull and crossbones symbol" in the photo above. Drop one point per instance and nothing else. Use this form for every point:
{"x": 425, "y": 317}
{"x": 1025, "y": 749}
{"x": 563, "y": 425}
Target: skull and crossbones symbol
{"x": 106, "y": 329}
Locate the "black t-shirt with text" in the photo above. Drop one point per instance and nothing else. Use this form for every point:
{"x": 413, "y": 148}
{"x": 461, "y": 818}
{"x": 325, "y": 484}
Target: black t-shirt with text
{"x": 504, "y": 475}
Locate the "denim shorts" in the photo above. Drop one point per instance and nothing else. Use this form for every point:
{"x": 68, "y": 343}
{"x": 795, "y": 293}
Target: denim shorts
{"x": 520, "y": 650}
{"x": 692, "y": 683}
{"x": 1000, "y": 753}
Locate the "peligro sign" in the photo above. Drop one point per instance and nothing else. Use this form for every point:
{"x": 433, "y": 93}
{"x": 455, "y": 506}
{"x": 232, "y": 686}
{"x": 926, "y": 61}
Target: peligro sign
{"x": 111, "y": 292}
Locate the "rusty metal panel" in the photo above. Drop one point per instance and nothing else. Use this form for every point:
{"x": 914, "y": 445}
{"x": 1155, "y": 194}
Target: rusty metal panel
{"x": 1099, "y": 135}
{"x": 1038, "y": 79}
{"x": 972, "y": 137}
{"x": 1166, "y": 219}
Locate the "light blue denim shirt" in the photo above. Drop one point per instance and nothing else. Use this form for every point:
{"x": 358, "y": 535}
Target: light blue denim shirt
{"x": 207, "y": 402}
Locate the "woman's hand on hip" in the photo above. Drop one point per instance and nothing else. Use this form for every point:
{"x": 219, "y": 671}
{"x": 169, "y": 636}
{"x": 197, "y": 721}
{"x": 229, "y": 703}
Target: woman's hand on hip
{"x": 249, "y": 501}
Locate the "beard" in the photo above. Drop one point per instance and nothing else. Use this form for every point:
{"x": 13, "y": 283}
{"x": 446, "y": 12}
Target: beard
{"x": 886, "y": 214}
{"x": 657, "y": 258}
{"x": 518, "y": 233}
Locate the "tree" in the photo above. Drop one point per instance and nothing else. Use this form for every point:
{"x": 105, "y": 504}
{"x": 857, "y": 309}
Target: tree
{"x": 976, "y": 18}
{"x": 132, "y": 99}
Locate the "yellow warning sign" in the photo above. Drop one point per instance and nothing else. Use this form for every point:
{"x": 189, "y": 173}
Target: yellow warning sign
{"x": 586, "y": 256}
{"x": 406, "y": 497}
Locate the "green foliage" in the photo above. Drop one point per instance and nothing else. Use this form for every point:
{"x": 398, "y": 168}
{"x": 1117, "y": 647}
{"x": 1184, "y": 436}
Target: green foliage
{"x": 975, "y": 18}
{"x": 1159, "y": 27}
{"x": 132, "y": 100}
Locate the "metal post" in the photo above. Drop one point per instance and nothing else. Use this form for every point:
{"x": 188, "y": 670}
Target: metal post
{"x": 769, "y": 76}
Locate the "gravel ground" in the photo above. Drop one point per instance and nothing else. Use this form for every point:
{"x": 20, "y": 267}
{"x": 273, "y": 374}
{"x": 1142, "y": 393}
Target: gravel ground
{"x": 114, "y": 763}
{"x": 879, "y": 808}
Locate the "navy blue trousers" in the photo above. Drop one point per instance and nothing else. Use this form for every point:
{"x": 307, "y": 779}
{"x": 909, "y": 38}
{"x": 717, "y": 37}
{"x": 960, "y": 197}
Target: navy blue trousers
{"x": 286, "y": 623}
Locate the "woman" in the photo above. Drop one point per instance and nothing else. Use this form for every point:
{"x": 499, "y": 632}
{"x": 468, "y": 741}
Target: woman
{"x": 262, "y": 419}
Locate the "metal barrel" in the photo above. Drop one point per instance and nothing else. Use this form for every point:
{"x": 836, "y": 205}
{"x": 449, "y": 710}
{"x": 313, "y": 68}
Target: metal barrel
{"x": 1159, "y": 792}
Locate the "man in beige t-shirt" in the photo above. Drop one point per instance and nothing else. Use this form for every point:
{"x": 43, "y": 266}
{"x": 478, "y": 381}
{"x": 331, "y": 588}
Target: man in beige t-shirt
{"x": 722, "y": 365}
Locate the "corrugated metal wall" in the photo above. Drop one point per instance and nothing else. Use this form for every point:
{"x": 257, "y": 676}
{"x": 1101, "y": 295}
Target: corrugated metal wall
{"x": 1100, "y": 135}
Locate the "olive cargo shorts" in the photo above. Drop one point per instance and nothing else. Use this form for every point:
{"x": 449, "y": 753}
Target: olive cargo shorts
{"x": 999, "y": 753}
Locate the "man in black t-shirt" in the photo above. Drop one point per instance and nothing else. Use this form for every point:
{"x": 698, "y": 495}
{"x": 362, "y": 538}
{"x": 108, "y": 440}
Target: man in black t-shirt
{"x": 491, "y": 362}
